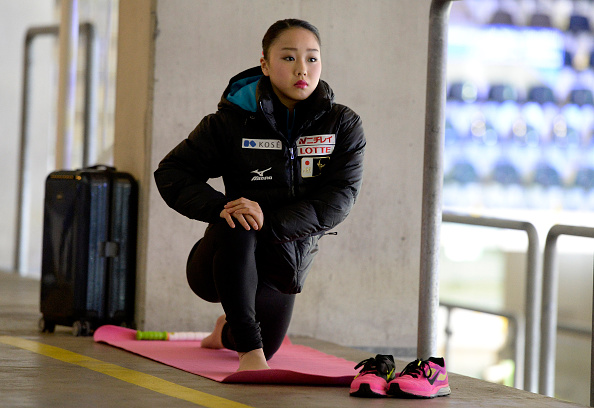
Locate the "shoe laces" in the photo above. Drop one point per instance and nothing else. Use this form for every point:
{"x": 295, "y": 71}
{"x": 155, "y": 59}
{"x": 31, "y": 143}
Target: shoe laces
{"x": 380, "y": 365}
{"x": 417, "y": 368}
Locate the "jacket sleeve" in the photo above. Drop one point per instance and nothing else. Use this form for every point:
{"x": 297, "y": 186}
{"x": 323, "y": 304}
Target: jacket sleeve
{"x": 325, "y": 208}
{"x": 182, "y": 175}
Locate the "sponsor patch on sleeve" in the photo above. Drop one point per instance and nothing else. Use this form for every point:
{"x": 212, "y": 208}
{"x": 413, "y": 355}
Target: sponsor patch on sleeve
{"x": 316, "y": 145}
{"x": 265, "y": 144}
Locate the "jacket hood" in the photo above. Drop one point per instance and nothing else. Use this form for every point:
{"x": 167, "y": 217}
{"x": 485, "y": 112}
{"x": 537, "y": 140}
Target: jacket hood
{"x": 241, "y": 90}
{"x": 251, "y": 88}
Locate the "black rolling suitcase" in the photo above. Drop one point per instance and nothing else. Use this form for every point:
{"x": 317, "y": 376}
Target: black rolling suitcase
{"x": 88, "y": 268}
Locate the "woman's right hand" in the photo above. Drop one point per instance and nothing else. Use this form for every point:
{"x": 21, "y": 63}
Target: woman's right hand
{"x": 247, "y": 212}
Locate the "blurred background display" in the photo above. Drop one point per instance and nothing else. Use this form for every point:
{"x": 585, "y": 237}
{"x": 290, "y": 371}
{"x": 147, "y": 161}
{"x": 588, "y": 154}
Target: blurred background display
{"x": 519, "y": 145}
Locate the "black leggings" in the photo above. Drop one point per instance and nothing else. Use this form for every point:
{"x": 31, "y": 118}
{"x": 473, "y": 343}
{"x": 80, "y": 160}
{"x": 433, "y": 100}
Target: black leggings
{"x": 223, "y": 267}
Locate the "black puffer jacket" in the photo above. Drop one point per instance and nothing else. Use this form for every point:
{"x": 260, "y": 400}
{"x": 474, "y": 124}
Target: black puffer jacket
{"x": 305, "y": 177}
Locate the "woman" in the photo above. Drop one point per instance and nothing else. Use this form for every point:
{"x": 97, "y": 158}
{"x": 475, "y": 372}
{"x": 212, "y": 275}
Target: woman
{"x": 291, "y": 160}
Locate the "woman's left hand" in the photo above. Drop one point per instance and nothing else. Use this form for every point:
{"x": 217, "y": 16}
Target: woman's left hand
{"x": 247, "y": 212}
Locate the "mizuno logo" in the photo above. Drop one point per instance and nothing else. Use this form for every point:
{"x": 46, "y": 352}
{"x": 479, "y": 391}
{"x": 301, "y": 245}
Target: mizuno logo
{"x": 261, "y": 172}
{"x": 259, "y": 175}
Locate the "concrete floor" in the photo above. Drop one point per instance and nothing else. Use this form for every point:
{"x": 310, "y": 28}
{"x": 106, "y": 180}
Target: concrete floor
{"x": 77, "y": 372}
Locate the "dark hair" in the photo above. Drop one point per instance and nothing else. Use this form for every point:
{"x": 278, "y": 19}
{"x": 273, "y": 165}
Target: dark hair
{"x": 280, "y": 26}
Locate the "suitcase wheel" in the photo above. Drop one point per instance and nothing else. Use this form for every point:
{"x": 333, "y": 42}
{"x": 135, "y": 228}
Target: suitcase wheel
{"x": 82, "y": 328}
{"x": 46, "y": 326}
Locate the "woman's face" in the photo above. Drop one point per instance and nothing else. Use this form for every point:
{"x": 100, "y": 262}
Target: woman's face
{"x": 294, "y": 65}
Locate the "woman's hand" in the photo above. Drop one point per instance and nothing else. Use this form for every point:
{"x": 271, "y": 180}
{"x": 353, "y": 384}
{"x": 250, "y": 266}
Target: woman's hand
{"x": 248, "y": 213}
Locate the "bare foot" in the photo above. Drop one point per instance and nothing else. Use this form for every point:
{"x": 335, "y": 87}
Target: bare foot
{"x": 252, "y": 360}
{"x": 215, "y": 339}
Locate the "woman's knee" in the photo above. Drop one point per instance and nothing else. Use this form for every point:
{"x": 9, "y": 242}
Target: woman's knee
{"x": 238, "y": 239}
{"x": 231, "y": 247}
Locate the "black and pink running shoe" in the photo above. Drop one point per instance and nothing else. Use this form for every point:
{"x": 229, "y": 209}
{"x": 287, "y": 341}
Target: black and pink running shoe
{"x": 372, "y": 381}
{"x": 421, "y": 379}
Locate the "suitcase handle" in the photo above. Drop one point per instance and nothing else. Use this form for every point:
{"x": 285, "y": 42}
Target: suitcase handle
{"x": 101, "y": 167}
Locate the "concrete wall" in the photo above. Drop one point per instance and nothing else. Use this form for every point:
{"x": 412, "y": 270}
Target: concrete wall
{"x": 363, "y": 290}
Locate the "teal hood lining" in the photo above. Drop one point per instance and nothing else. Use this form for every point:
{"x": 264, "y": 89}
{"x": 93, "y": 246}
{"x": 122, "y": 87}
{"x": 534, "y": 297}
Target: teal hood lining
{"x": 243, "y": 93}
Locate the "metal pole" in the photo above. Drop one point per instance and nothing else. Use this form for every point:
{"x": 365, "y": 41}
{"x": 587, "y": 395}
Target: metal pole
{"x": 592, "y": 359}
{"x": 432, "y": 179}
{"x": 67, "y": 83}
{"x": 550, "y": 289}
{"x": 23, "y": 173}
{"x": 88, "y": 30}
{"x": 533, "y": 287}
{"x": 533, "y": 303}
{"x": 21, "y": 221}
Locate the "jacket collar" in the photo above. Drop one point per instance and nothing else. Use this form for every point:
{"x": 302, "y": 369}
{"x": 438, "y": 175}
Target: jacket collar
{"x": 318, "y": 103}
{"x": 307, "y": 111}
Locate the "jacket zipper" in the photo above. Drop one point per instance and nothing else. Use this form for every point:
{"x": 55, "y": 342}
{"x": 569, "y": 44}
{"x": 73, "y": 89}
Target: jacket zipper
{"x": 292, "y": 159}
{"x": 292, "y": 168}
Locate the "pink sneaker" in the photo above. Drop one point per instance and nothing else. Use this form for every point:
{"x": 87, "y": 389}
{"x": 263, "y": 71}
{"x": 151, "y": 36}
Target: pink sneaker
{"x": 422, "y": 379}
{"x": 372, "y": 380}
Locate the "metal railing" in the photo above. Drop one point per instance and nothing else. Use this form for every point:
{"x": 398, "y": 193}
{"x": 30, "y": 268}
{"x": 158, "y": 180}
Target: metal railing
{"x": 550, "y": 305}
{"x": 87, "y": 29}
{"x": 517, "y": 329}
{"x": 533, "y": 288}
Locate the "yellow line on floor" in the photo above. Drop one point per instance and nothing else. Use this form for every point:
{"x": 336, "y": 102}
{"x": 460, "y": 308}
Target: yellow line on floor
{"x": 133, "y": 377}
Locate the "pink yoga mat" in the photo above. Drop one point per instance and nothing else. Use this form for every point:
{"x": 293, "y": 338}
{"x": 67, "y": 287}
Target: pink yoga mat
{"x": 292, "y": 364}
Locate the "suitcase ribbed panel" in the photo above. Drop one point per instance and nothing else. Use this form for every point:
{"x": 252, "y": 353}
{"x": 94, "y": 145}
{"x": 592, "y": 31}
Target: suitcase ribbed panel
{"x": 121, "y": 287}
{"x": 98, "y": 229}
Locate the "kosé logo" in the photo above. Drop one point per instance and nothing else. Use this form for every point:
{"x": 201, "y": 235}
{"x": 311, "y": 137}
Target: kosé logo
{"x": 259, "y": 175}
{"x": 262, "y": 144}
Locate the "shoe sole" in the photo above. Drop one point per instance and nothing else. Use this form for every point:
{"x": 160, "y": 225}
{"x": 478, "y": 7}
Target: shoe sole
{"x": 395, "y": 391}
{"x": 365, "y": 391}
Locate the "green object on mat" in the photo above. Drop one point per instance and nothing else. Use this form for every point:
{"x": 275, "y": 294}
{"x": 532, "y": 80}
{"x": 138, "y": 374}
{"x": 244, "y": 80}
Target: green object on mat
{"x": 151, "y": 335}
